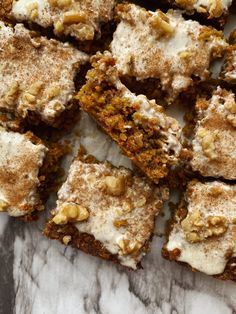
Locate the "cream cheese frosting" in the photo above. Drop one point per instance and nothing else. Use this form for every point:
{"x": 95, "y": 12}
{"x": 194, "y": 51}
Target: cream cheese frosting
{"x": 36, "y": 74}
{"x": 20, "y": 161}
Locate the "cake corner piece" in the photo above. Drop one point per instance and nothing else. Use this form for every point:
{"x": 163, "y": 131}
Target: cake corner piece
{"x": 202, "y": 231}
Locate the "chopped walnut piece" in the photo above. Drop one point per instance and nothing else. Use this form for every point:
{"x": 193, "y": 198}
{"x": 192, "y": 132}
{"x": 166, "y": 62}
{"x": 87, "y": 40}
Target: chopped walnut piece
{"x": 53, "y": 91}
{"x": 115, "y": 186}
{"x": 28, "y": 98}
{"x": 3, "y": 205}
{"x": 11, "y": 94}
{"x": 141, "y": 201}
{"x": 66, "y": 239}
{"x": 129, "y": 246}
{"x": 32, "y": 9}
{"x": 120, "y": 223}
{"x": 161, "y": 23}
{"x": 35, "y": 88}
{"x": 216, "y": 8}
{"x": 58, "y": 26}
{"x": 232, "y": 119}
{"x": 63, "y": 3}
{"x": 208, "y": 146}
{"x": 70, "y": 212}
{"x": 74, "y": 17}
{"x": 231, "y": 106}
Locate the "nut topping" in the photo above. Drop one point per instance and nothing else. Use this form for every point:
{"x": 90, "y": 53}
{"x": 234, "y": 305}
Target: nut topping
{"x": 11, "y": 95}
{"x": 3, "y": 206}
{"x": 198, "y": 229}
{"x": 161, "y": 23}
{"x": 129, "y": 246}
{"x": 208, "y": 145}
{"x": 66, "y": 239}
{"x": 115, "y": 186}
{"x": 70, "y": 212}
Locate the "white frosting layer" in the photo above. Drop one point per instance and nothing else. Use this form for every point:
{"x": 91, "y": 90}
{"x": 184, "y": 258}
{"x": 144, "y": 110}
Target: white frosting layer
{"x": 90, "y": 14}
{"x": 85, "y": 186}
{"x": 20, "y": 161}
{"x": 36, "y": 74}
{"x": 172, "y": 53}
{"x": 215, "y": 126}
{"x": 210, "y": 255}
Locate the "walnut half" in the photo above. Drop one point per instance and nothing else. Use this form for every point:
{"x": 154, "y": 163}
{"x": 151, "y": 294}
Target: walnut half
{"x": 70, "y": 212}
{"x": 129, "y": 246}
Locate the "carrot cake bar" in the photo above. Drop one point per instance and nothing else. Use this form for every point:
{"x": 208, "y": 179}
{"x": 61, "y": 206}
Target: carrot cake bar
{"x": 21, "y": 158}
{"x": 229, "y": 69}
{"x": 166, "y": 47}
{"x": 203, "y": 232}
{"x": 36, "y": 74}
{"x": 213, "y": 9}
{"x": 107, "y": 212}
{"x": 214, "y": 143}
{"x": 149, "y": 137}
{"x": 80, "y": 19}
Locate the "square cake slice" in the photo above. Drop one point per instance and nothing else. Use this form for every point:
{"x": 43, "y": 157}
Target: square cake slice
{"x": 107, "y": 212}
{"x": 214, "y": 9}
{"x": 166, "y": 47}
{"x": 214, "y": 143}
{"x": 80, "y": 19}
{"x": 21, "y": 158}
{"x": 36, "y": 74}
{"x": 228, "y": 73}
{"x": 149, "y": 137}
{"x": 203, "y": 230}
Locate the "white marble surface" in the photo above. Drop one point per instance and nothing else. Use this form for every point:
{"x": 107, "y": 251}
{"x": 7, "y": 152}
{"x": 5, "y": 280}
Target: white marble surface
{"x": 39, "y": 276}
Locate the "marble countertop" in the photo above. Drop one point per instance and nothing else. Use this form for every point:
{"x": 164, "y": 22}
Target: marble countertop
{"x": 39, "y": 276}
{"x": 43, "y": 277}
